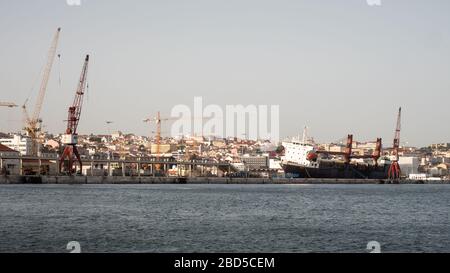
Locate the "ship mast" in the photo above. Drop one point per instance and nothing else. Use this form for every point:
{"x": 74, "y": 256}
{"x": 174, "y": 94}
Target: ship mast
{"x": 305, "y": 134}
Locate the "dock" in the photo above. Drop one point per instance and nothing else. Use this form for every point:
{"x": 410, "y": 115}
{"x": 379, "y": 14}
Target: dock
{"x": 136, "y": 180}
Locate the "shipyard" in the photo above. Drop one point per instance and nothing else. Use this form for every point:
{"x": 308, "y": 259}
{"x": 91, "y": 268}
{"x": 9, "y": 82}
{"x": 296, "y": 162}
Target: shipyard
{"x": 223, "y": 136}
{"x": 37, "y": 156}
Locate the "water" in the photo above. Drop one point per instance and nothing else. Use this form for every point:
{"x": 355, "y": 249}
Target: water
{"x": 224, "y": 218}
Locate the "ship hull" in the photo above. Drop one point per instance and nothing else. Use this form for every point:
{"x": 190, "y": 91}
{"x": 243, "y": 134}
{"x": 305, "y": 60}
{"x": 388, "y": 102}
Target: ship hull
{"x": 343, "y": 171}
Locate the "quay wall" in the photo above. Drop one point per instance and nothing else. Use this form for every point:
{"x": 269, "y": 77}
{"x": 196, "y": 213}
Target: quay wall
{"x": 190, "y": 180}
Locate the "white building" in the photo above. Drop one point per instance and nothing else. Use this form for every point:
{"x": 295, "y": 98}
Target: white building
{"x": 18, "y": 143}
{"x": 240, "y": 167}
{"x": 409, "y": 165}
{"x": 418, "y": 176}
{"x": 116, "y": 135}
{"x": 275, "y": 164}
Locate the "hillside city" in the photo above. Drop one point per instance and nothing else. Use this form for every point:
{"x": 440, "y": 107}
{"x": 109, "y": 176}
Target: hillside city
{"x": 248, "y": 157}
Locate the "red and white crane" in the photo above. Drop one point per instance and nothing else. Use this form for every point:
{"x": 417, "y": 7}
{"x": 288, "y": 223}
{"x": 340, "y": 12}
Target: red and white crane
{"x": 394, "y": 170}
{"x": 70, "y": 139}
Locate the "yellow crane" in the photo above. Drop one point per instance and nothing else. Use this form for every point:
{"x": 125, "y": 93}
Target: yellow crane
{"x": 158, "y": 121}
{"x": 33, "y": 123}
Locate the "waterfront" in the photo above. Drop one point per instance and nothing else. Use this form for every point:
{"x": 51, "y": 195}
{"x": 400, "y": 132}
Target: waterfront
{"x": 136, "y": 180}
{"x": 224, "y": 218}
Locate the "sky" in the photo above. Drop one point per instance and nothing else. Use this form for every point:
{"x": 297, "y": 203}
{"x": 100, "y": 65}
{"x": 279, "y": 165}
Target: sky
{"x": 337, "y": 66}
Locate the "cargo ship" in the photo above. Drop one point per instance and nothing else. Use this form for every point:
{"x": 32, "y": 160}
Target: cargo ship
{"x": 302, "y": 159}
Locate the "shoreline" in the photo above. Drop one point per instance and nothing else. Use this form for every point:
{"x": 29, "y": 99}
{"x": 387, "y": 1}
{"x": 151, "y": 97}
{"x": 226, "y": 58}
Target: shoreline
{"x": 136, "y": 180}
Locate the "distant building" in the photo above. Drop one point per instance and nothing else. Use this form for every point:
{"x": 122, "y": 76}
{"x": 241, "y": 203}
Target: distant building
{"x": 256, "y": 162}
{"x": 52, "y": 143}
{"x": 268, "y": 147}
{"x": 436, "y": 160}
{"x": 439, "y": 170}
{"x": 440, "y": 146}
{"x": 18, "y": 143}
{"x": 219, "y": 143}
{"x": 418, "y": 176}
{"x": 163, "y": 148}
{"x": 240, "y": 167}
{"x": 7, "y": 152}
{"x": 409, "y": 165}
{"x": 9, "y": 166}
{"x": 198, "y": 139}
{"x": 336, "y": 148}
{"x": 116, "y": 135}
{"x": 275, "y": 164}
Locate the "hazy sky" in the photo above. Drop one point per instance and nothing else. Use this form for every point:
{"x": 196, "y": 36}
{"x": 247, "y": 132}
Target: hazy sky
{"x": 338, "y": 66}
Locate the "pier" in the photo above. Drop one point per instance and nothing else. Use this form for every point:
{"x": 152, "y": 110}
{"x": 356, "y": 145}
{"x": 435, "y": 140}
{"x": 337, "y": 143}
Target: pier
{"x": 135, "y": 180}
{"x": 144, "y": 171}
{"x": 125, "y": 167}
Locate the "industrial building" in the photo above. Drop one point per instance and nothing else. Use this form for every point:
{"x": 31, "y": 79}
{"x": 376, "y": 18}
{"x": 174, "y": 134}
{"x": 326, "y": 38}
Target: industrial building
{"x": 256, "y": 162}
{"x": 18, "y": 143}
{"x": 409, "y": 165}
{"x": 9, "y": 166}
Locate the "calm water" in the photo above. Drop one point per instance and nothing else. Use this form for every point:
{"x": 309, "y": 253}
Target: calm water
{"x": 224, "y": 218}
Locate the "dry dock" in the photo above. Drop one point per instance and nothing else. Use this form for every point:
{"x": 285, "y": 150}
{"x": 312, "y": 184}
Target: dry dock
{"x": 191, "y": 180}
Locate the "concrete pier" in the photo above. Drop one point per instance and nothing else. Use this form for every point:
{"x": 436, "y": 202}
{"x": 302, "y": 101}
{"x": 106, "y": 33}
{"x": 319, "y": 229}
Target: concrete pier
{"x": 18, "y": 179}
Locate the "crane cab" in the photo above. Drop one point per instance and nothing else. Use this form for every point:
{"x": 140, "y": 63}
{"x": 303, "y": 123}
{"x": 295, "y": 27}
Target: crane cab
{"x": 69, "y": 139}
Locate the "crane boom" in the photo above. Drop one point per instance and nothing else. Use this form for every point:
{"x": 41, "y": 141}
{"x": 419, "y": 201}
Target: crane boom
{"x": 158, "y": 134}
{"x": 398, "y": 128}
{"x": 8, "y": 104}
{"x": 48, "y": 69}
{"x": 394, "y": 171}
{"x": 75, "y": 109}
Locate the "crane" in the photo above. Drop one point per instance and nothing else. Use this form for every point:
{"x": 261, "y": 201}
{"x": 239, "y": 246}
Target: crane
{"x": 158, "y": 121}
{"x": 70, "y": 139}
{"x": 7, "y": 104}
{"x": 32, "y": 123}
{"x": 394, "y": 171}
{"x": 348, "y": 152}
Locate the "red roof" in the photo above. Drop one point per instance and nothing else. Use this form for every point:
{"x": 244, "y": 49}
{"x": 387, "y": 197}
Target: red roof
{"x": 4, "y": 148}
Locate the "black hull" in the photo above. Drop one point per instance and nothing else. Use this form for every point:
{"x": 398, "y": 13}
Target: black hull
{"x": 343, "y": 171}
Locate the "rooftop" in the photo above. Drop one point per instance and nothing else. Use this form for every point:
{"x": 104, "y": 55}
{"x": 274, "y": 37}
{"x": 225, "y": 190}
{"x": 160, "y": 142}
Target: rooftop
{"x": 4, "y": 148}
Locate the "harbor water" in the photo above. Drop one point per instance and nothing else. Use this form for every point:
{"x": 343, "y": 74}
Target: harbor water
{"x": 224, "y": 218}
